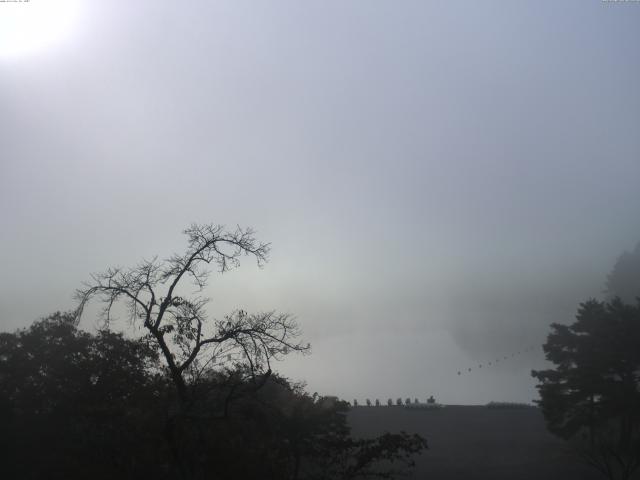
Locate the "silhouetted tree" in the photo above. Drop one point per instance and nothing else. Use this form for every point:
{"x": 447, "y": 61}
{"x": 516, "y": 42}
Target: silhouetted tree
{"x": 355, "y": 403}
{"x": 389, "y": 402}
{"x": 368, "y": 402}
{"x": 313, "y": 437}
{"x": 398, "y": 401}
{"x": 75, "y": 405}
{"x": 188, "y": 341}
{"x": 592, "y": 395}
{"x": 624, "y": 279}
{"x": 377, "y": 402}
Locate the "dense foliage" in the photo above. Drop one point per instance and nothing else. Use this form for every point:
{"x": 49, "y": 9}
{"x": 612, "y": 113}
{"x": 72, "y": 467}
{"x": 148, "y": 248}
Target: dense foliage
{"x": 592, "y": 395}
{"x": 75, "y": 404}
{"x": 78, "y": 405}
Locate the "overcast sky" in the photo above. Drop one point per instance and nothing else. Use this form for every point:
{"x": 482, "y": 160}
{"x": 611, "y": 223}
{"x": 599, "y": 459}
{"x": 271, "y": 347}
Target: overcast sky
{"x": 439, "y": 180}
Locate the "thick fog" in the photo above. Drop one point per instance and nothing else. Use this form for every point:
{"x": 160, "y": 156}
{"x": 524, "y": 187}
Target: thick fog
{"x": 439, "y": 180}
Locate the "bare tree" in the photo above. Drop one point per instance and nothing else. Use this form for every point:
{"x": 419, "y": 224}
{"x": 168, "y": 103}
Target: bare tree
{"x": 191, "y": 344}
{"x": 188, "y": 340}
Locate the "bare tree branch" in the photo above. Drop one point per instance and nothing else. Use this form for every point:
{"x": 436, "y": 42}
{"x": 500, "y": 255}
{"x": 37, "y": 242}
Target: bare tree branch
{"x": 180, "y": 326}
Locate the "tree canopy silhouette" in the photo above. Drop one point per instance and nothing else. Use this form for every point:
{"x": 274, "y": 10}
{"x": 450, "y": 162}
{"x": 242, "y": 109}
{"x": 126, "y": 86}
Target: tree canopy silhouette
{"x": 218, "y": 408}
{"x": 186, "y": 337}
{"x": 79, "y": 405}
{"x": 592, "y": 395}
{"x": 76, "y": 405}
{"x": 624, "y": 279}
{"x": 190, "y": 342}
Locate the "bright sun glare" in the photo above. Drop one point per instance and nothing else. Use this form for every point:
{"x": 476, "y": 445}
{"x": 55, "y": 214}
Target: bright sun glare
{"x": 31, "y": 26}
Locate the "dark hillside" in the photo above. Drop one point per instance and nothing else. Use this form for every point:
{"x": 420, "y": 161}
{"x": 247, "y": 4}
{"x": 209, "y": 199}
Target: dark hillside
{"x": 475, "y": 442}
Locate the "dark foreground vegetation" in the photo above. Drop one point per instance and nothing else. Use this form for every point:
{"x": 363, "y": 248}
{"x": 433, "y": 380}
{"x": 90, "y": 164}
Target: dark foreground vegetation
{"x": 194, "y": 398}
{"x": 591, "y": 397}
{"x": 191, "y": 398}
{"x": 77, "y": 405}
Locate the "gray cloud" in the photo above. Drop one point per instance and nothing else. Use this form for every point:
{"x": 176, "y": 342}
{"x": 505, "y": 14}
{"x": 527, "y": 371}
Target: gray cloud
{"x": 439, "y": 181}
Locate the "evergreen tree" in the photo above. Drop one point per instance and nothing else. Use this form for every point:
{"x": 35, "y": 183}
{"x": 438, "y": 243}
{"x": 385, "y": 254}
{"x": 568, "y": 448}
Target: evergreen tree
{"x": 592, "y": 395}
{"x": 624, "y": 279}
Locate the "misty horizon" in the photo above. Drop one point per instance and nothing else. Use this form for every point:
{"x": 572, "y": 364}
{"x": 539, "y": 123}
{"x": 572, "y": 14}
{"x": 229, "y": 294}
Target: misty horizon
{"x": 439, "y": 182}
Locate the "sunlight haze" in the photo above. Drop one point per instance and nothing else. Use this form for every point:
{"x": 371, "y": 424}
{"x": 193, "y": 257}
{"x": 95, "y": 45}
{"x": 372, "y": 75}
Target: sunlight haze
{"x": 439, "y": 181}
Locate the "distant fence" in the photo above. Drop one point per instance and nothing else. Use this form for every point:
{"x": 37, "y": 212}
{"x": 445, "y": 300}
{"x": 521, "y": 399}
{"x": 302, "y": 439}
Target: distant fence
{"x": 436, "y": 406}
{"x": 429, "y": 404}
